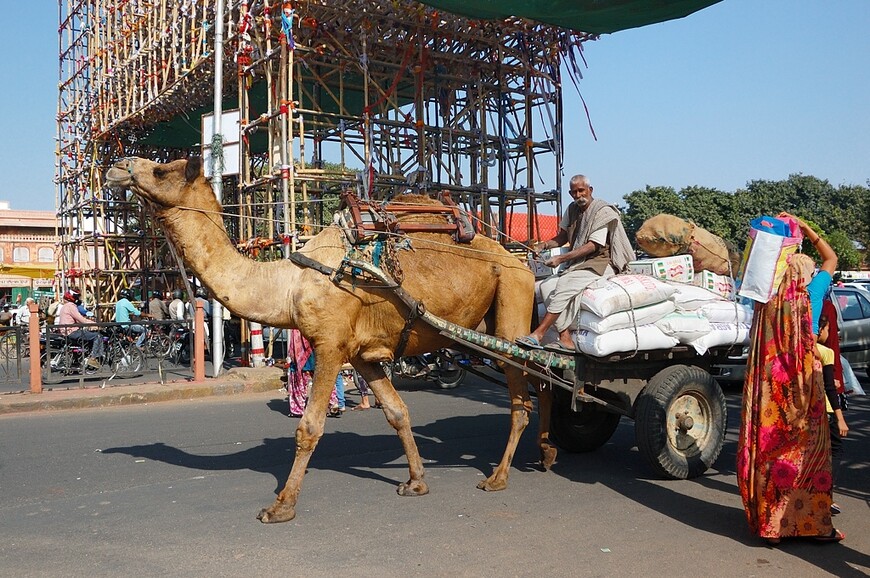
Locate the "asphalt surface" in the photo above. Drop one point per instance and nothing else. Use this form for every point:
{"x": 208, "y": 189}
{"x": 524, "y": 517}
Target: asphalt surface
{"x": 166, "y": 489}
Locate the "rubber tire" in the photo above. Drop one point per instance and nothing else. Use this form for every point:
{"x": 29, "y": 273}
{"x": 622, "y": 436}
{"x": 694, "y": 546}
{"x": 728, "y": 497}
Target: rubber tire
{"x": 651, "y": 417}
{"x": 134, "y": 365}
{"x": 45, "y": 369}
{"x": 581, "y": 431}
{"x": 451, "y": 379}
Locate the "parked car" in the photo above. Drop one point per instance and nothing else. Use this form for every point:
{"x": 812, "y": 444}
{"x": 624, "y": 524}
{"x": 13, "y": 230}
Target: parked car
{"x": 853, "y": 317}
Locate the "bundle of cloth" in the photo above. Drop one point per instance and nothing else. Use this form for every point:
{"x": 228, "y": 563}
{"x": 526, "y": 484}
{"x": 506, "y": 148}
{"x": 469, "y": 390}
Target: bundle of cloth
{"x": 658, "y": 304}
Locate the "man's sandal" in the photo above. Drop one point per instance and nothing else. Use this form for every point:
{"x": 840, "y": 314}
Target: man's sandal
{"x": 528, "y": 342}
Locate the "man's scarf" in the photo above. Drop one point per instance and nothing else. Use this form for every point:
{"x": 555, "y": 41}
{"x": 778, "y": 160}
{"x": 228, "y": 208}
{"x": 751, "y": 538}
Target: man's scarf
{"x": 599, "y": 214}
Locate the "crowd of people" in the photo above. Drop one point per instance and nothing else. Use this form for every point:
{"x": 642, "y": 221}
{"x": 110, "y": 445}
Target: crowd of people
{"x": 68, "y": 309}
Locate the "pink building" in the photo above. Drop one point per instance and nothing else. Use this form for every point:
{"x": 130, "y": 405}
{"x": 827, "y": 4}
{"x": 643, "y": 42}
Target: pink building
{"x": 28, "y": 242}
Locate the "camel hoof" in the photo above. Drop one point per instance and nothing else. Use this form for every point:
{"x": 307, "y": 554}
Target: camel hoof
{"x": 276, "y": 513}
{"x": 413, "y": 488}
{"x": 548, "y": 457}
{"x": 492, "y": 485}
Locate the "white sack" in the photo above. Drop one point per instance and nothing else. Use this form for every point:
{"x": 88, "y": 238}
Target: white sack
{"x": 623, "y": 292}
{"x": 648, "y": 337}
{"x": 727, "y": 312}
{"x": 690, "y": 298}
{"x": 686, "y": 326}
{"x": 624, "y": 319}
{"x": 722, "y": 334}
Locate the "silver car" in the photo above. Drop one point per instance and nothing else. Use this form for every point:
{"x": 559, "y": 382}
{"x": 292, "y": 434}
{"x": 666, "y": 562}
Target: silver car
{"x": 853, "y": 317}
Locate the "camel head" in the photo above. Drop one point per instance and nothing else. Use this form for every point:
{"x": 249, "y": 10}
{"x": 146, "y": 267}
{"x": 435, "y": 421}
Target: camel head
{"x": 175, "y": 184}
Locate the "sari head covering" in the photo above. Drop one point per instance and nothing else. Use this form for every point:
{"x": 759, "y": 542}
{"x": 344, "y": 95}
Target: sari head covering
{"x": 783, "y": 453}
{"x": 802, "y": 267}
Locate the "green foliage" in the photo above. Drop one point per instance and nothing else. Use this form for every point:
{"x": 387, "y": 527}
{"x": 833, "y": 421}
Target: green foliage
{"x": 848, "y": 256}
{"x": 841, "y": 214}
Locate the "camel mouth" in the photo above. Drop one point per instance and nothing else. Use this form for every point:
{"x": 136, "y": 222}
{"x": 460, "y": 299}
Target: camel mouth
{"x": 117, "y": 177}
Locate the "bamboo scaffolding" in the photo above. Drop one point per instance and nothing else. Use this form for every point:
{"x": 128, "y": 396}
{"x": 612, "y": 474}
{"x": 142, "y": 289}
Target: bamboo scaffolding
{"x": 399, "y": 98}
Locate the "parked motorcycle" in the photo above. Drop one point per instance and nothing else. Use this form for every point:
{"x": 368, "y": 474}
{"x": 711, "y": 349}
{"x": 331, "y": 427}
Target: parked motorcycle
{"x": 445, "y": 367}
{"x": 62, "y": 356}
{"x": 66, "y": 357}
{"x": 179, "y": 350}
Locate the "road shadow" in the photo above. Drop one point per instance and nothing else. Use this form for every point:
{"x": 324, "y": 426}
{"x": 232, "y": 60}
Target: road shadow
{"x": 475, "y": 442}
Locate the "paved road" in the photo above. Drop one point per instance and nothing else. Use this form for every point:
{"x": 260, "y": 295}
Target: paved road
{"x": 173, "y": 489}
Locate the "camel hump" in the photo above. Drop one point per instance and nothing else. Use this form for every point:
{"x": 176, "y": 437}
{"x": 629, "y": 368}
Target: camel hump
{"x": 365, "y": 221}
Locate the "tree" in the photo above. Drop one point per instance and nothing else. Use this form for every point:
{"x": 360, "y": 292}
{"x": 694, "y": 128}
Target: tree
{"x": 648, "y": 203}
{"x": 841, "y": 213}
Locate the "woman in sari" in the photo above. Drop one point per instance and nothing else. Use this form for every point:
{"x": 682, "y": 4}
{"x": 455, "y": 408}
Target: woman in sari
{"x": 784, "y": 449}
{"x": 300, "y": 375}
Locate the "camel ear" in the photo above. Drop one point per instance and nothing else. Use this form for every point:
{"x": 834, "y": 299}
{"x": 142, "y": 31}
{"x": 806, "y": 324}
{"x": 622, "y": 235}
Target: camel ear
{"x": 194, "y": 168}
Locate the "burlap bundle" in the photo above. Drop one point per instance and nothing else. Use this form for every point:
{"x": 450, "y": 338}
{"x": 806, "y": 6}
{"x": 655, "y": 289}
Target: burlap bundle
{"x": 665, "y": 235}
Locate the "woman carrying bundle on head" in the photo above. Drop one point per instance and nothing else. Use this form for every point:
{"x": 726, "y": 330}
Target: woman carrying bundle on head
{"x": 784, "y": 449}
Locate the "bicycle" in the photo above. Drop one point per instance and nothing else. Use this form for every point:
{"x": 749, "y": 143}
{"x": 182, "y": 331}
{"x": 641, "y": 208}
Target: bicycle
{"x": 158, "y": 344}
{"x": 121, "y": 353}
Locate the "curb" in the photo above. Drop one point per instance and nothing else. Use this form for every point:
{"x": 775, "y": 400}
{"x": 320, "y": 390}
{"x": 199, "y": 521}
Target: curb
{"x": 234, "y": 383}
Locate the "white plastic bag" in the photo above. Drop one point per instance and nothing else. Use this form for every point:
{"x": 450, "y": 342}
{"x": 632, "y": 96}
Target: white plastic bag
{"x": 625, "y": 319}
{"x": 850, "y": 382}
{"x": 764, "y": 263}
{"x": 645, "y": 338}
{"x": 623, "y": 292}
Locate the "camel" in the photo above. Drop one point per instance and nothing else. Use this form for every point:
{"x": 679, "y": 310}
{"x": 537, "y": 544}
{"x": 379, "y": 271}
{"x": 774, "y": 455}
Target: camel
{"x": 478, "y": 285}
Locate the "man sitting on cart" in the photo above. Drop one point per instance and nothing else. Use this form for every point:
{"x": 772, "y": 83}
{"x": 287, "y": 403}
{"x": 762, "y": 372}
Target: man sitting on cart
{"x": 599, "y": 248}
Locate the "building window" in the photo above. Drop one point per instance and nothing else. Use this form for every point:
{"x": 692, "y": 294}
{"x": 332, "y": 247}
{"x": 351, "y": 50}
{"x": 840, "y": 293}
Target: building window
{"x": 46, "y": 255}
{"x": 21, "y": 254}
{"x": 2, "y": 255}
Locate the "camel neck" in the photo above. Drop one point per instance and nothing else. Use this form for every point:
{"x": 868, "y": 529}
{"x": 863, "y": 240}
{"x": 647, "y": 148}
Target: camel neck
{"x": 238, "y": 282}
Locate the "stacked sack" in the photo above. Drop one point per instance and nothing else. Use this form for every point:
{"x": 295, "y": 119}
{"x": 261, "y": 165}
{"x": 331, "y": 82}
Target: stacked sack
{"x": 619, "y": 314}
{"x": 657, "y": 305}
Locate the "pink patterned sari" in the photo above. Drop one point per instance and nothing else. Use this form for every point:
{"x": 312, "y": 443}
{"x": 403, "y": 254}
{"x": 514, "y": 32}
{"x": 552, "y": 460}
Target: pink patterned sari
{"x": 300, "y": 374}
{"x": 784, "y": 451}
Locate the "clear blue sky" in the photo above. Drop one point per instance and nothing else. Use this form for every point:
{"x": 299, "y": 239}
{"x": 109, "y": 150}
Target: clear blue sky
{"x": 743, "y": 90}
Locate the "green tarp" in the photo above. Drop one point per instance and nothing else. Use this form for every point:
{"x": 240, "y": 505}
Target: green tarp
{"x": 595, "y": 16}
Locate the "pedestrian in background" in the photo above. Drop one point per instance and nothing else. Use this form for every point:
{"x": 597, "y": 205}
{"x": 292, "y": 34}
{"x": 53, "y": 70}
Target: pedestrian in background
{"x": 301, "y": 366}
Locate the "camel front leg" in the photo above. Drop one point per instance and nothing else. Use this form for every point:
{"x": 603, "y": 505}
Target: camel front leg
{"x": 308, "y": 434}
{"x": 521, "y": 407}
{"x": 397, "y": 415}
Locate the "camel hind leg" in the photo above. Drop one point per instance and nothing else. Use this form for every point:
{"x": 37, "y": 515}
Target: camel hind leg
{"x": 545, "y": 411}
{"x": 308, "y": 433}
{"x": 397, "y": 415}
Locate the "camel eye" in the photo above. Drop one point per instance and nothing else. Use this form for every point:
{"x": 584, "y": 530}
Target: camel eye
{"x": 159, "y": 172}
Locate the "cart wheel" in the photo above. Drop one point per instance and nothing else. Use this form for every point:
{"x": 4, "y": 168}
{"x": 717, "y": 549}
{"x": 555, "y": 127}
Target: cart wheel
{"x": 680, "y": 421}
{"x": 388, "y": 369}
{"x": 585, "y": 430}
{"x": 450, "y": 379}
